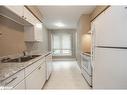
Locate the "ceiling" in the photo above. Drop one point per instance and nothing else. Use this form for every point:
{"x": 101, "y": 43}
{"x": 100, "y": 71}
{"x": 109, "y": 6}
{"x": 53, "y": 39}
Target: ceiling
{"x": 68, "y": 16}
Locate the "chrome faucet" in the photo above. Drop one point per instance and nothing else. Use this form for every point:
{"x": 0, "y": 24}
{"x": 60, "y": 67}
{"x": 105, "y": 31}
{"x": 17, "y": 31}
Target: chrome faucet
{"x": 24, "y": 53}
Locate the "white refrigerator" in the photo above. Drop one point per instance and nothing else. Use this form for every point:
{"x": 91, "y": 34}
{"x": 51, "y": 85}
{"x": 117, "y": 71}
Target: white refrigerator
{"x": 110, "y": 49}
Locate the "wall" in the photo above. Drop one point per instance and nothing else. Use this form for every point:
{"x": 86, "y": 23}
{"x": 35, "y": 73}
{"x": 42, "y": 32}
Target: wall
{"x": 39, "y": 47}
{"x": 83, "y": 28}
{"x": 12, "y": 38}
{"x": 86, "y": 43}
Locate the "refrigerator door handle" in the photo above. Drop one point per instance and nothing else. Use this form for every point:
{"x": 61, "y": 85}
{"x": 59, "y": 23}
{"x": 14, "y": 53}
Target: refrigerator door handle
{"x": 111, "y": 47}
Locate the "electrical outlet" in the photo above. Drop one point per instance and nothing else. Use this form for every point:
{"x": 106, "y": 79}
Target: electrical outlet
{"x": 0, "y": 34}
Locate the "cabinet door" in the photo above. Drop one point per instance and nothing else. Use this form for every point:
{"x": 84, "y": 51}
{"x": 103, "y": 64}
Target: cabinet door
{"x": 111, "y": 27}
{"x": 49, "y": 65}
{"x": 33, "y": 32}
{"x": 20, "y": 86}
{"x": 13, "y": 80}
{"x": 37, "y": 78}
{"x": 29, "y": 16}
{"x": 18, "y": 10}
{"x": 38, "y": 31}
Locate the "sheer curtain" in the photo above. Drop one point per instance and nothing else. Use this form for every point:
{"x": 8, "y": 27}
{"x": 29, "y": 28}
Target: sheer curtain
{"x": 62, "y": 44}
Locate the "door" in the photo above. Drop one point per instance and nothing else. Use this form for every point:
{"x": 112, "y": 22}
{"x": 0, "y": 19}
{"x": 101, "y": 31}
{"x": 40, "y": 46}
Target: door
{"x": 111, "y": 27}
{"x": 38, "y": 31}
{"x": 62, "y": 44}
{"x": 37, "y": 78}
{"x": 110, "y": 67}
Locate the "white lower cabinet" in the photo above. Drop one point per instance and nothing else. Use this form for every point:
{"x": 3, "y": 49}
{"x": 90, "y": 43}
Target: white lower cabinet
{"x": 20, "y": 86}
{"x": 32, "y": 77}
{"x": 48, "y": 65}
{"x": 14, "y": 80}
{"x": 37, "y": 78}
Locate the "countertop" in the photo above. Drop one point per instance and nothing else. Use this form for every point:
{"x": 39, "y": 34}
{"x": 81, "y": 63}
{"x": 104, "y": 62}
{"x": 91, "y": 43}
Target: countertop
{"x": 9, "y": 69}
{"x": 85, "y": 53}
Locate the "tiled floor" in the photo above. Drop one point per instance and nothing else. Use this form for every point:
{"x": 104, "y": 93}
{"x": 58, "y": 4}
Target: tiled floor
{"x": 66, "y": 75}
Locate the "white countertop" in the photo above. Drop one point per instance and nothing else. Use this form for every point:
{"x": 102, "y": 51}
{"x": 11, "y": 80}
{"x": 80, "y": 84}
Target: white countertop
{"x": 88, "y": 54}
{"x": 9, "y": 69}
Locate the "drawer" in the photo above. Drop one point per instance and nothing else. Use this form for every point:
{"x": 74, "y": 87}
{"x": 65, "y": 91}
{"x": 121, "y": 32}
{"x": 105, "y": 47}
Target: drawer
{"x": 32, "y": 67}
{"x": 13, "y": 80}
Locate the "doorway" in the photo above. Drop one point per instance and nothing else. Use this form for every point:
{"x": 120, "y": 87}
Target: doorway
{"x": 63, "y": 44}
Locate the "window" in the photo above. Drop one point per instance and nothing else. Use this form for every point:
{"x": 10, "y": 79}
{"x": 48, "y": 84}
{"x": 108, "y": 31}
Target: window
{"x": 62, "y": 44}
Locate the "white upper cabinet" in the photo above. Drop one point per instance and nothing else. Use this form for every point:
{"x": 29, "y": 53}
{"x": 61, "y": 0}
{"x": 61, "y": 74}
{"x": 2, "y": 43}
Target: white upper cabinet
{"x": 28, "y": 16}
{"x": 32, "y": 26}
{"x": 33, "y": 33}
{"x": 111, "y": 27}
{"x": 18, "y": 10}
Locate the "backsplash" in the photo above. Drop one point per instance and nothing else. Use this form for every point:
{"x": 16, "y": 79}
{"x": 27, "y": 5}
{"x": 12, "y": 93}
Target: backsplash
{"x": 12, "y": 38}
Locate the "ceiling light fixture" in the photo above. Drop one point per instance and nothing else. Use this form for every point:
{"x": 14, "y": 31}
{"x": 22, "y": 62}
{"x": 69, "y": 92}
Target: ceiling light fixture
{"x": 59, "y": 24}
{"x": 38, "y": 25}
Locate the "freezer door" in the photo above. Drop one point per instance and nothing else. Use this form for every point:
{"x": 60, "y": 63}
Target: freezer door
{"x": 111, "y": 27}
{"x": 110, "y": 68}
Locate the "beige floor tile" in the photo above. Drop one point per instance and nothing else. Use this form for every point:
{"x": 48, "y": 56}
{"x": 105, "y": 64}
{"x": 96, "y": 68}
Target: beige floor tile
{"x": 66, "y": 75}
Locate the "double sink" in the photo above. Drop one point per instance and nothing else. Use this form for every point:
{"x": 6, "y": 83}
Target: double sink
{"x": 21, "y": 59}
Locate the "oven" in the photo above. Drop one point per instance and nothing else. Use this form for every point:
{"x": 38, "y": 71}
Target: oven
{"x": 86, "y": 67}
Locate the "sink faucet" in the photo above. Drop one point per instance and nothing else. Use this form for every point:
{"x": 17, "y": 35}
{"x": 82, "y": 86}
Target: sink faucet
{"x": 24, "y": 53}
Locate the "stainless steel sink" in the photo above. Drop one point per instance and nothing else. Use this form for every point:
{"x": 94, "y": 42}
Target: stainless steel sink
{"x": 22, "y": 59}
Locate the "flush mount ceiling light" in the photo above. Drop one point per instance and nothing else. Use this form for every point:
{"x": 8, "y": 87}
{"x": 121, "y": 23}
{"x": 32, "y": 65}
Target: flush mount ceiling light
{"x": 59, "y": 24}
{"x": 39, "y": 25}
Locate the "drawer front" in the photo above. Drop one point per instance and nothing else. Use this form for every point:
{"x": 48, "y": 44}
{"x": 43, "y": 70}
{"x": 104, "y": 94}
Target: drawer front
{"x": 37, "y": 78}
{"x": 13, "y": 80}
{"x": 32, "y": 67}
{"x": 20, "y": 86}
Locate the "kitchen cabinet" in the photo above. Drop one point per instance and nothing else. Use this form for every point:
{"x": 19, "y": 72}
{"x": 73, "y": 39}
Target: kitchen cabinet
{"x": 49, "y": 65}
{"x": 12, "y": 81}
{"x": 20, "y": 86}
{"x": 31, "y": 77}
{"x": 33, "y": 33}
{"x": 33, "y": 66}
{"x": 18, "y": 10}
{"x": 28, "y": 16}
{"x": 37, "y": 78}
{"x": 20, "y": 14}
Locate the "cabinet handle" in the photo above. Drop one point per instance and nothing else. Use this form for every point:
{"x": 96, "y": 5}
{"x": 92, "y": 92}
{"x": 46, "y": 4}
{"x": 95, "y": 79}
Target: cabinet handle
{"x": 39, "y": 68}
{"x": 125, "y": 7}
{"x": 11, "y": 80}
